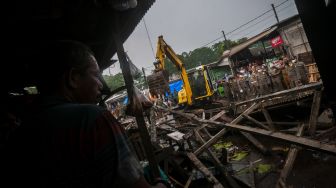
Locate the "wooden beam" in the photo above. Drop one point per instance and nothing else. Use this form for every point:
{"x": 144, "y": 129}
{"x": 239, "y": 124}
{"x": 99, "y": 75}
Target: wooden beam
{"x": 287, "y": 92}
{"x": 327, "y": 133}
{"x": 216, "y": 137}
{"x": 314, "y": 112}
{"x": 306, "y": 142}
{"x": 218, "y": 115}
{"x": 286, "y": 123}
{"x": 268, "y": 118}
{"x": 138, "y": 112}
{"x": 175, "y": 181}
{"x": 163, "y": 122}
{"x": 210, "y": 142}
{"x": 255, "y": 142}
{"x": 251, "y": 171}
{"x": 256, "y": 121}
{"x": 202, "y": 168}
{"x": 217, "y": 163}
{"x": 189, "y": 179}
{"x": 290, "y": 159}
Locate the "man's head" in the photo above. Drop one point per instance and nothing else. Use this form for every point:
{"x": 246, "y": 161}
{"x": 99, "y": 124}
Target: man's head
{"x": 73, "y": 73}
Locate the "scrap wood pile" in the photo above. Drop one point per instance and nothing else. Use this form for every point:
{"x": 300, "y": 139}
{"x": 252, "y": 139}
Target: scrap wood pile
{"x": 195, "y": 146}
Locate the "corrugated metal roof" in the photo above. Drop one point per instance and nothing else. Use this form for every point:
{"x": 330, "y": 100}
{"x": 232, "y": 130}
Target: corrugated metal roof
{"x": 91, "y": 22}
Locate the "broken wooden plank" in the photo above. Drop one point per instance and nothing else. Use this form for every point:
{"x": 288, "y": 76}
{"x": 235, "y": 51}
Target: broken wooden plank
{"x": 218, "y": 115}
{"x": 249, "y": 137}
{"x": 327, "y": 133}
{"x": 247, "y": 111}
{"x": 306, "y": 142}
{"x": 202, "y": 168}
{"x": 163, "y": 122}
{"x": 287, "y": 92}
{"x": 268, "y": 118}
{"x": 216, "y": 137}
{"x": 290, "y": 159}
{"x": 314, "y": 112}
{"x": 256, "y": 121}
{"x": 252, "y": 174}
{"x": 175, "y": 181}
{"x": 217, "y": 163}
{"x": 255, "y": 142}
{"x": 285, "y": 123}
{"x": 189, "y": 179}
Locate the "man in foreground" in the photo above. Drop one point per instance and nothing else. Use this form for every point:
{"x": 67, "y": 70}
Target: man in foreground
{"x": 67, "y": 140}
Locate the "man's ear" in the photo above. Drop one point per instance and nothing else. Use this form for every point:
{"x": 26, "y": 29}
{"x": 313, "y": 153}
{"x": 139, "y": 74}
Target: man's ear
{"x": 73, "y": 78}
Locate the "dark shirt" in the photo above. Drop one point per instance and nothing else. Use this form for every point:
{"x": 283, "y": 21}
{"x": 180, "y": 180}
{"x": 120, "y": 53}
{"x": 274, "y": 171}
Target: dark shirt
{"x": 72, "y": 145}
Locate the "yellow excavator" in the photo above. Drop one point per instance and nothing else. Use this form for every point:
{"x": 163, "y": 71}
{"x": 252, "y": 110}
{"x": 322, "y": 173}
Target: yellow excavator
{"x": 197, "y": 84}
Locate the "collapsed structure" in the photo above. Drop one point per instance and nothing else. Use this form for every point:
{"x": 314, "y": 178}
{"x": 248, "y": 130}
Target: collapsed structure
{"x": 193, "y": 145}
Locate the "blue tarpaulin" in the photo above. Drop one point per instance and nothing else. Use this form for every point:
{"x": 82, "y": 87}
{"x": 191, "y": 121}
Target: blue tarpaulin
{"x": 125, "y": 100}
{"x": 175, "y": 86}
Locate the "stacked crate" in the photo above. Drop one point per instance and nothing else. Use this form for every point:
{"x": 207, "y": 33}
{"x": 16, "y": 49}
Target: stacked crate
{"x": 313, "y": 73}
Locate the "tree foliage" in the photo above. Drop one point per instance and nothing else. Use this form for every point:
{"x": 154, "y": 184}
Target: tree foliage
{"x": 199, "y": 56}
{"x": 202, "y": 56}
{"x": 114, "y": 81}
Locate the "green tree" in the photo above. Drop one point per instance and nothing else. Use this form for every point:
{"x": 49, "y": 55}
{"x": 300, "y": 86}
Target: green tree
{"x": 114, "y": 81}
{"x": 202, "y": 56}
{"x": 239, "y": 41}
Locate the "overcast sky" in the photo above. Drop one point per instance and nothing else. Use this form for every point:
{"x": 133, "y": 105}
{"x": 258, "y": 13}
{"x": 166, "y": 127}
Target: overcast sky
{"x": 190, "y": 24}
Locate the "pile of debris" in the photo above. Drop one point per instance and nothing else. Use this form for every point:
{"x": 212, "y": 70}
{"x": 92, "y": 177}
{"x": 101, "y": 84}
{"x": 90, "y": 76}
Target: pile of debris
{"x": 206, "y": 148}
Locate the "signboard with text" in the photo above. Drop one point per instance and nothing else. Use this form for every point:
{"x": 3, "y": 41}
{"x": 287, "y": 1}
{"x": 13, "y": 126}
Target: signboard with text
{"x": 276, "y": 41}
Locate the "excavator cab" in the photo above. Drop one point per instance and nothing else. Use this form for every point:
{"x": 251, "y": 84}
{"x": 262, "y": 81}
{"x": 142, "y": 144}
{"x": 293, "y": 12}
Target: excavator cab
{"x": 200, "y": 84}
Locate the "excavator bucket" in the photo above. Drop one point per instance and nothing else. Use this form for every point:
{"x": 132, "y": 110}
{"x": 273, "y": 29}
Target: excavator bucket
{"x": 158, "y": 82}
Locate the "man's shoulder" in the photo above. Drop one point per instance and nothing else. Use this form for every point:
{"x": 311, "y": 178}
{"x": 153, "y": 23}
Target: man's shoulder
{"x": 79, "y": 108}
{"x": 71, "y": 114}
{"x": 90, "y": 111}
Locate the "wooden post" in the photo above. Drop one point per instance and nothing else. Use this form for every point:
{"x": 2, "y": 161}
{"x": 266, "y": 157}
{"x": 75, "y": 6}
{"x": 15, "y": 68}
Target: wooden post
{"x": 314, "y": 112}
{"x": 138, "y": 113}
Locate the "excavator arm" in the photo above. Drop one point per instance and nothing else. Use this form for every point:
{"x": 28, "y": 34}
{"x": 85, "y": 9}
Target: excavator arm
{"x": 163, "y": 51}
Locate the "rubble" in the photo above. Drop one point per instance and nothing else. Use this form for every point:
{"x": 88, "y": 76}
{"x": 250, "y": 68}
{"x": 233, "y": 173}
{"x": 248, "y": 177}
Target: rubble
{"x": 207, "y": 144}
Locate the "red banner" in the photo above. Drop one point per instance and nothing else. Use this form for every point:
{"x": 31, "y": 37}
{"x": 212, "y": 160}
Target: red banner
{"x": 276, "y": 41}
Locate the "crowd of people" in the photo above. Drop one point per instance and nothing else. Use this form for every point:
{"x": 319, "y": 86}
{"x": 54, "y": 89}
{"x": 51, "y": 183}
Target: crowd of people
{"x": 257, "y": 79}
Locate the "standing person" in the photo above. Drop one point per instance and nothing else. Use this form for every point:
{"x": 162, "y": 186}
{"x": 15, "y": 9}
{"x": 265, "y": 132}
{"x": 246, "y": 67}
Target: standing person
{"x": 69, "y": 141}
{"x": 292, "y": 75}
{"x": 284, "y": 73}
